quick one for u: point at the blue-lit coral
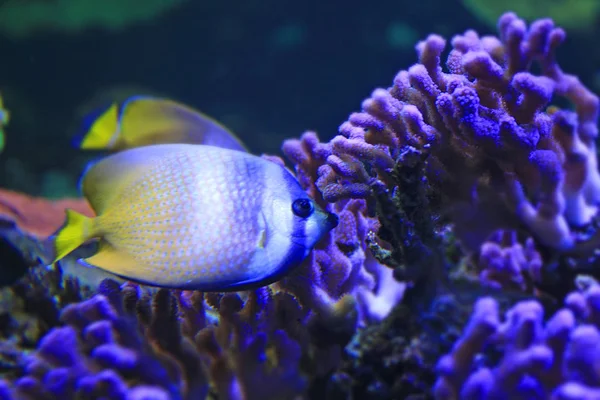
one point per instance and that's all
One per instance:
(31, 297)
(481, 149)
(341, 264)
(505, 262)
(93, 355)
(491, 142)
(188, 345)
(540, 359)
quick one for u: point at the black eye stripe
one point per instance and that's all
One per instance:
(303, 208)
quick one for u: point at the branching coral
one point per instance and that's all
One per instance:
(341, 264)
(503, 262)
(30, 307)
(481, 147)
(491, 142)
(122, 341)
(539, 359)
(93, 355)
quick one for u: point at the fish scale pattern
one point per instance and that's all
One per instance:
(191, 216)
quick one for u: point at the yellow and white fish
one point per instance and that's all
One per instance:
(146, 120)
(194, 217)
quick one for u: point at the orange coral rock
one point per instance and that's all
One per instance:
(38, 216)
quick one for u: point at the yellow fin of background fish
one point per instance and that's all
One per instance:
(145, 120)
(103, 130)
(74, 233)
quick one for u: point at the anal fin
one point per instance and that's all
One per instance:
(117, 262)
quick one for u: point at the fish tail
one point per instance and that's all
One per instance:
(100, 130)
(76, 231)
(96, 139)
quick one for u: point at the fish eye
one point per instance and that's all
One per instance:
(303, 208)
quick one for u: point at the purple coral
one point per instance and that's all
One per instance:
(504, 263)
(89, 358)
(341, 264)
(554, 359)
(493, 143)
(129, 344)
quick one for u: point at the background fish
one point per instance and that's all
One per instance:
(4, 118)
(195, 217)
(145, 120)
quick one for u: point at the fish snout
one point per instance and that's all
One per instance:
(332, 220)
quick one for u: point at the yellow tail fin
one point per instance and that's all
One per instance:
(102, 131)
(76, 231)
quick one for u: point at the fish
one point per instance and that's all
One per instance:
(4, 119)
(194, 217)
(147, 120)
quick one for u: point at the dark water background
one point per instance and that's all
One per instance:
(268, 69)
